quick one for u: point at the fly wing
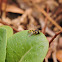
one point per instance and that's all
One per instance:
(30, 34)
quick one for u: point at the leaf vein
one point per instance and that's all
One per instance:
(25, 54)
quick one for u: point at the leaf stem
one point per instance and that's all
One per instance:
(54, 37)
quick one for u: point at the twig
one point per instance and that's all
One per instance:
(54, 55)
(54, 49)
(9, 25)
(44, 29)
(54, 37)
(50, 32)
(56, 11)
(58, 18)
(49, 18)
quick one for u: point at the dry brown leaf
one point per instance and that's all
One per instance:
(59, 55)
(13, 8)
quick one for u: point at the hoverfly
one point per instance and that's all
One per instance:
(35, 32)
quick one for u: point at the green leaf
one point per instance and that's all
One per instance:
(8, 29)
(22, 48)
(2, 44)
